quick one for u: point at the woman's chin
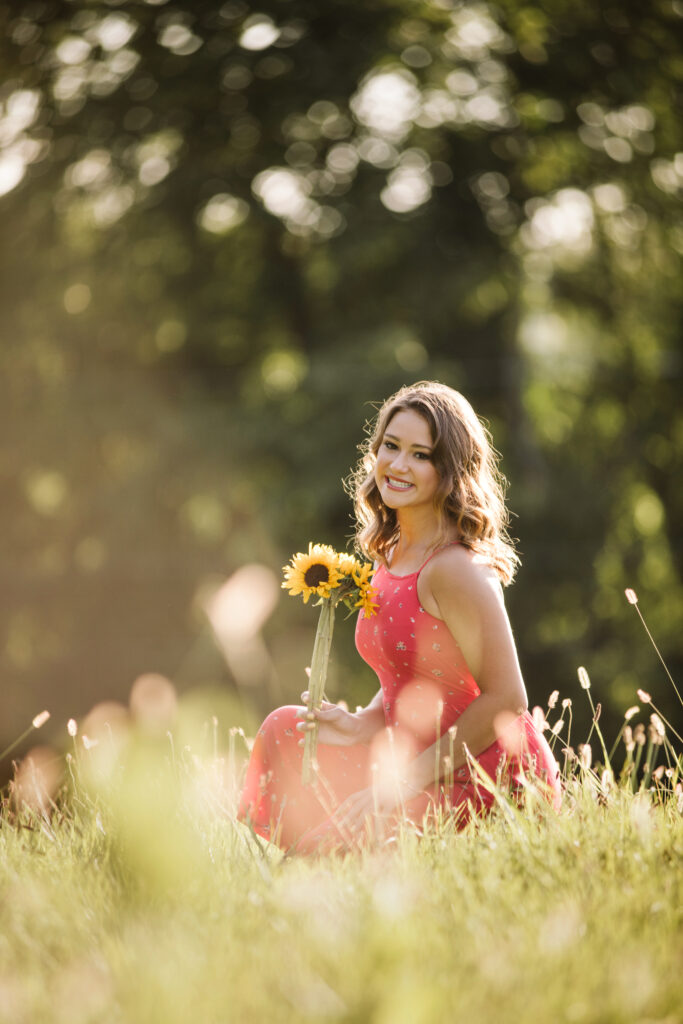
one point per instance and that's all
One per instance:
(394, 499)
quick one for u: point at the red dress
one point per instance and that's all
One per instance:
(426, 686)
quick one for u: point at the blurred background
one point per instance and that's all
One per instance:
(229, 230)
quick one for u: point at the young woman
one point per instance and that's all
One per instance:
(450, 718)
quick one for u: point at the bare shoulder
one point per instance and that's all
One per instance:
(458, 573)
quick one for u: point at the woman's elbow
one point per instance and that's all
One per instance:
(518, 701)
(522, 705)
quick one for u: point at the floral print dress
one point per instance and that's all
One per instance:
(426, 685)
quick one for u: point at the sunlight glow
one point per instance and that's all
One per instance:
(377, 152)
(391, 751)
(286, 194)
(20, 111)
(73, 50)
(342, 159)
(36, 780)
(387, 102)
(223, 213)
(77, 298)
(153, 702)
(259, 33)
(475, 33)
(114, 31)
(609, 197)
(410, 185)
(179, 39)
(283, 371)
(155, 156)
(12, 170)
(239, 609)
(69, 83)
(110, 205)
(91, 172)
(237, 612)
(565, 222)
(668, 174)
(46, 490)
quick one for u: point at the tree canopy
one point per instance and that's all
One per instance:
(228, 231)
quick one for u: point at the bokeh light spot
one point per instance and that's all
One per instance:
(170, 335)
(179, 39)
(239, 608)
(259, 33)
(223, 213)
(153, 702)
(283, 371)
(77, 298)
(114, 31)
(387, 103)
(46, 491)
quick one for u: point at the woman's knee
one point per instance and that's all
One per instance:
(281, 719)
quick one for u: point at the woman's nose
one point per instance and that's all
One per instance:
(399, 462)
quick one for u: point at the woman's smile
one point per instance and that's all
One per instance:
(398, 485)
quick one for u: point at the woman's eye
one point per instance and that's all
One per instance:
(390, 445)
(423, 456)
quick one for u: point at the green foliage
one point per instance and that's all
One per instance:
(226, 238)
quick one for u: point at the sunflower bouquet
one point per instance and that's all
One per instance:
(334, 578)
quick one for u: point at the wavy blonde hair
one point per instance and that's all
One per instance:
(471, 493)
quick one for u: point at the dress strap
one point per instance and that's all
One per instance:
(442, 548)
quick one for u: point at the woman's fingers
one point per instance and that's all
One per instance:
(325, 705)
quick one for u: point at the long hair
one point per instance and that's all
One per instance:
(470, 498)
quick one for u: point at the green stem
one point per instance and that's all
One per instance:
(595, 726)
(636, 765)
(649, 765)
(16, 742)
(437, 748)
(659, 654)
(613, 749)
(319, 663)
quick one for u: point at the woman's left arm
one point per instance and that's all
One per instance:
(470, 599)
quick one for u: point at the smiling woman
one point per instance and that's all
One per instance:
(450, 721)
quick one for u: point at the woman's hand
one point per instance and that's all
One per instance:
(336, 725)
(372, 809)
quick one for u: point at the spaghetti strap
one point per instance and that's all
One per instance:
(442, 548)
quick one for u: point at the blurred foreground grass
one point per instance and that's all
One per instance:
(136, 897)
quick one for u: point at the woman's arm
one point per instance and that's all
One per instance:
(469, 599)
(372, 716)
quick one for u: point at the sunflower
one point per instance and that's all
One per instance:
(314, 573)
(348, 565)
(362, 573)
(366, 593)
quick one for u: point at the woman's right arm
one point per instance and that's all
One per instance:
(339, 727)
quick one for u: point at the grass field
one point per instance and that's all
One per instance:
(135, 897)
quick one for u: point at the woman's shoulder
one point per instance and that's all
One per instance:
(459, 569)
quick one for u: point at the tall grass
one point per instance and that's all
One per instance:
(134, 896)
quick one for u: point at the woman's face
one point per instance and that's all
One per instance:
(404, 471)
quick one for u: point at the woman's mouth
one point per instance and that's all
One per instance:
(397, 485)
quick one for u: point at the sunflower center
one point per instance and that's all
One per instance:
(316, 574)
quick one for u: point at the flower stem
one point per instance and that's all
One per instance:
(16, 742)
(319, 663)
(659, 653)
